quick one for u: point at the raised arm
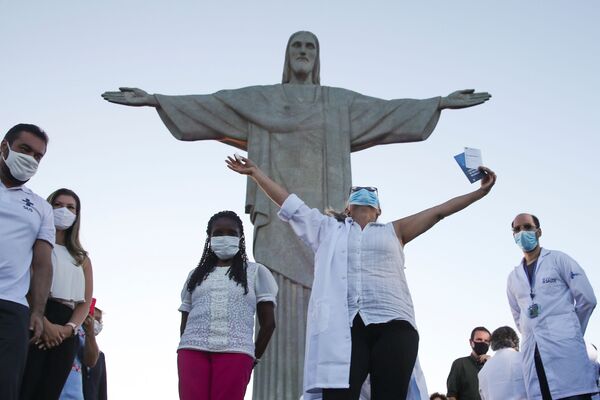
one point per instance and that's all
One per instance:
(412, 226)
(131, 97)
(244, 166)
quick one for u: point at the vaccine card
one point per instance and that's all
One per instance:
(472, 174)
(473, 158)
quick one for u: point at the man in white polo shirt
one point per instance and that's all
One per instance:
(26, 240)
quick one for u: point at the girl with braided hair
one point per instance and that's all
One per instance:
(219, 301)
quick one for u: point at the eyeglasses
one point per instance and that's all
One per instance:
(524, 227)
(357, 188)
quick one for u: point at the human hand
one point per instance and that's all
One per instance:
(36, 326)
(488, 181)
(463, 99)
(483, 358)
(53, 335)
(88, 325)
(130, 97)
(241, 165)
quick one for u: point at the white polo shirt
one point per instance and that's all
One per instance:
(24, 218)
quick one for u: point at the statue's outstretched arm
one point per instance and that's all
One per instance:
(131, 97)
(463, 99)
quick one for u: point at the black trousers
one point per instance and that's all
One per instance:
(386, 351)
(539, 368)
(47, 370)
(14, 321)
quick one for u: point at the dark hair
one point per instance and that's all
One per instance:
(436, 395)
(536, 221)
(208, 262)
(72, 242)
(504, 337)
(14, 132)
(479, 328)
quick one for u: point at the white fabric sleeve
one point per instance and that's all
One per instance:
(513, 303)
(306, 222)
(580, 287)
(186, 296)
(265, 286)
(47, 230)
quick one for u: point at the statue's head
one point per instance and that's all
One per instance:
(302, 57)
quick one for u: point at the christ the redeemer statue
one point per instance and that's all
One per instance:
(283, 126)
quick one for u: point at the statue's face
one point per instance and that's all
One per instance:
(303, 52)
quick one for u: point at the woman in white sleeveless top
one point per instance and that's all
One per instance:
(50, 359)
(360, 314)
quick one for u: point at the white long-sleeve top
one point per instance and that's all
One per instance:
(501, 378)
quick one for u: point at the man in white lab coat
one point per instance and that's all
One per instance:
(501, 378)
(551, 301)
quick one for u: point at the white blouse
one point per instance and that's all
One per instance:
(221, 316)
(68, 280)
(377, 287)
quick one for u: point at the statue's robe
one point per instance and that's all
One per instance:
(303, 143)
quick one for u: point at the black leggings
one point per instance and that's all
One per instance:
(386, 351)
(47, 370)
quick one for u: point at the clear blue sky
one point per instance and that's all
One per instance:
(147, 197)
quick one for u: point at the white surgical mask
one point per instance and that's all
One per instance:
(63, 218)
(225, 247)
(21, 166)
(97, 327)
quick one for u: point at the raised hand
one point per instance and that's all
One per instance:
(241, 165)
(489, 180)
(131, 97)
(463, 99)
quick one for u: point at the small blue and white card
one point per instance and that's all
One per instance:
(469, 162)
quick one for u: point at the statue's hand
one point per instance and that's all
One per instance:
(131, 97)
(463, 99)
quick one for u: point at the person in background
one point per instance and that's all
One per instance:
(462, 381)
(360, 315)
(50, 359)
(86, 358)
(552, 301)
(501, 378)
(437, 396)
(94, 376)
(219, 301)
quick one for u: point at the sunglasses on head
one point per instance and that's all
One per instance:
(357, 188)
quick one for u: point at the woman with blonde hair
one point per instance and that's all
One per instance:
(49, 360)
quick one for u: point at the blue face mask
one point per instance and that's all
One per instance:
(364, 197)
(526, 240)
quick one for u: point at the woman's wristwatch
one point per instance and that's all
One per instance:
(72, 325)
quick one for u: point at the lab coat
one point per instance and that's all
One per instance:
(328, 339)
(501, 378)
(566, 300)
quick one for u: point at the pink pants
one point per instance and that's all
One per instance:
(213, 376)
